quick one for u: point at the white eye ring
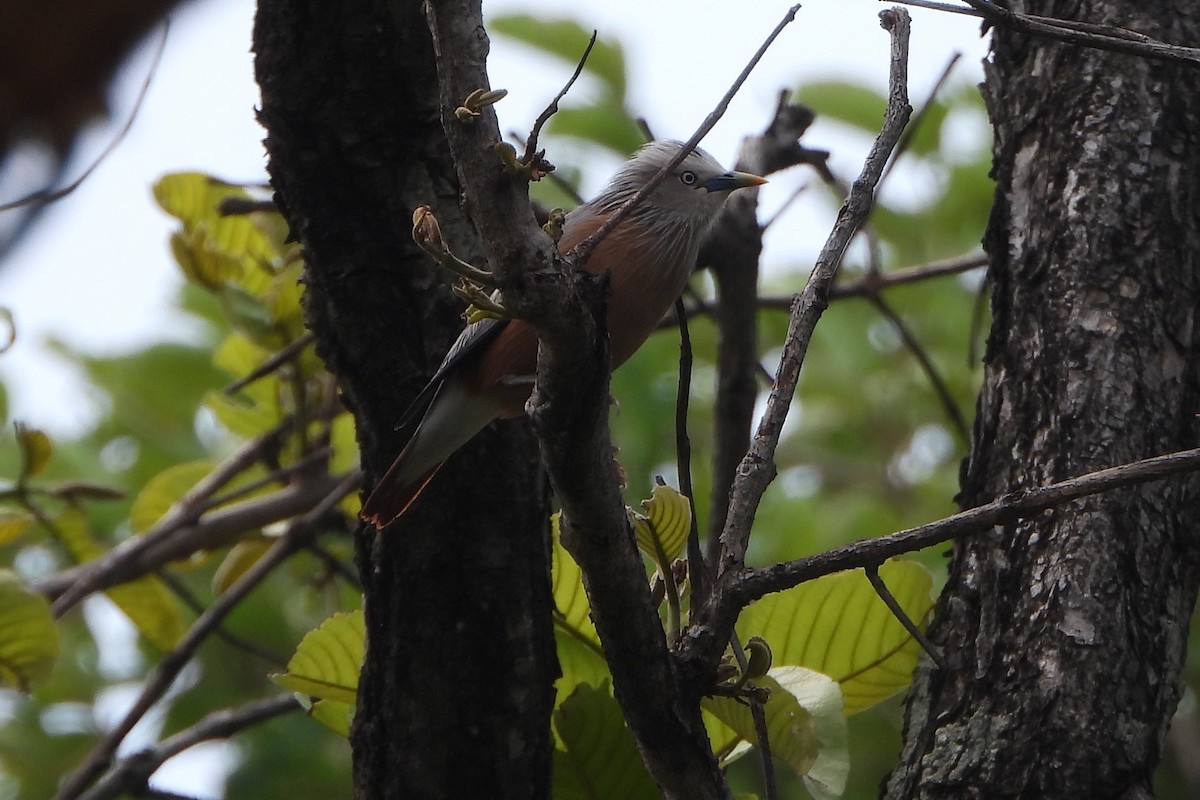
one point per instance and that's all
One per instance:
(687, 177)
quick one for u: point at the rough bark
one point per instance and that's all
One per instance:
(1065, 634)
(456, 690)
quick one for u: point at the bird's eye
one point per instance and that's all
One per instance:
(687, 177)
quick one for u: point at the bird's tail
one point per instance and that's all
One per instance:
(393, 495)
(453, 417)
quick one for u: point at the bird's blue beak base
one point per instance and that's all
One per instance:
(733, 180)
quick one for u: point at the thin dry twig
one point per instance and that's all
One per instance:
(273, 363)
(552, 108)
(697, 569)
(164, 674)
(180, 590)
(889, 599)
(949, 405)
(920, 116)
(580, 253)
(45, 196)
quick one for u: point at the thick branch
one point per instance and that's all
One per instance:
(173, 539)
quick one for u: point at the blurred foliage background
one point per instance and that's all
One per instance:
(870, 448)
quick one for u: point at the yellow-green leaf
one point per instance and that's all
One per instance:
(596, 756)
(333, 715)
(29, 643)
(36, 450)
(328, 659)
(14, 524)
(578, 645)
(241, 557)
(192, 197)
(667, 520)
(837, 625)
(163, 491)
(570, 600)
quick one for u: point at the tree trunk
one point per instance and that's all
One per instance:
(457, 686)
(1065, 634)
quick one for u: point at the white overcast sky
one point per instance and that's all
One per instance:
(97, 274)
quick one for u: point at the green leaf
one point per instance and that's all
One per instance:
(567, 40)
(327, 661)
(666, 524)
(596, 756)
(805, 724)
(163, 491)
(36, 450)
(837, 625)
(29, 642)
(14, 524)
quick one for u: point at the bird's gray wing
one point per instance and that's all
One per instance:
(473, 337)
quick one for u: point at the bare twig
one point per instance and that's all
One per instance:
(759, 718)
(920, 115)
(758, 467)
(752, 584)
(770, 788)
(866, 286)
(889, 599)
(334, 564)
(697, 568)
(44, 196)
(580, 253)
(181, 591)
(552, 109)
(708, 638)
(164, 674)
(949, 405)
(131, 775)
(273, 363)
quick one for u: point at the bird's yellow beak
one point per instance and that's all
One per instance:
(733, 180)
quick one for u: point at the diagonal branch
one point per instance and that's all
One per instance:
(164, 674)
(130, 775)
(702, 647)
(752, 584)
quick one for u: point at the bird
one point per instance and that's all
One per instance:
(649, 256)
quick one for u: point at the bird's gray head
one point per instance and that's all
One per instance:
(691, 195)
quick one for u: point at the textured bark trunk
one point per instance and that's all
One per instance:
(457, 687)
(1066, 633)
